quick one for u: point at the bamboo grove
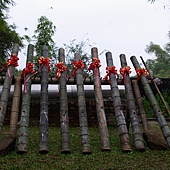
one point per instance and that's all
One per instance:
(123, 121)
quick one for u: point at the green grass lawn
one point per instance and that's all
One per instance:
(54, 160)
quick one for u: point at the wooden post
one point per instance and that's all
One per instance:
(6, 87)
(104, 135)
(25, 109)
(64, 121)
(85, 142)
(44, 105)
(136, 130)
(142, 112)
(154, 104)
(120, 119)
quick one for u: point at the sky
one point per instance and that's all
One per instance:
(119, 26)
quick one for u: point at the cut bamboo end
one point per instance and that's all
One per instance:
(43, 151)
(105, 149)
(66, 151)
(126, 148)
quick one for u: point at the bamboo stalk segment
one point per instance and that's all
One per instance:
(15, 106)
(6, 88)
(104, 135)
(44, 106)
(25, 108)
(154, 104)
(120, 119)
(136, 130)
(85, 141)
(142, 112)
(64, 121)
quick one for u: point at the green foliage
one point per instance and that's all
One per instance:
(148, 108)
(98, 160)
(160, 65)
(8, 34)
(4, 7)
(82, 47)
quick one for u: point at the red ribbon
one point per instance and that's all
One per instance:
(94, 64)
(12, 61)
(61, 69)
(77, 65)
(140, 72)
(109, 70)
(27, 70)
(44, 61)
(124, 71)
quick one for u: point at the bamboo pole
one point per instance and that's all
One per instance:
(44, 106)
(25, 109)
(85, 141)
(64, 121)
(142, 112)
(104, 135)
(154, 104)
(7, 143)
(15, 106)
(136, 130)
(164, 102)
(120, 119)
(6, 87)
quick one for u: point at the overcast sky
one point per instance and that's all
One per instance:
(119, 26)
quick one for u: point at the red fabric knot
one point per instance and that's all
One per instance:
(94, 64)
(44, 61)
(140, 72)
(125, 70)
(77, 65)
(28, 69)
(61, 69)
(12, 61)
(109, 70)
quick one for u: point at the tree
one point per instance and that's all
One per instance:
(82, 48)
(43, 36)
(160, 65)
(4, 7)
(8, 34)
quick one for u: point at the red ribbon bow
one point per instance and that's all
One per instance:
(94, 64)
(61, 69)
(77, 65)
(44, 61)
(109, 70)
(12, 61)
(140, 72)
(125, 70)
(28, 69)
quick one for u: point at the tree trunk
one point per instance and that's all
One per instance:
(120, 119)
(104, 135)
(85, 141)
(25, 109)
(136, 130)
(44, 105)
(64, 121)
(6, 88)
(154, 104)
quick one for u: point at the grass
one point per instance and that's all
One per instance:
(98, 160)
